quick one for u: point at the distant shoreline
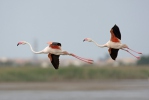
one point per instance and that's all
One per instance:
(76, 85)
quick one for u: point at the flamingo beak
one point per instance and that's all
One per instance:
(84, 40)
(19, 43)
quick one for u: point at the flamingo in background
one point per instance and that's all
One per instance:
(54, 51)
(114, 44)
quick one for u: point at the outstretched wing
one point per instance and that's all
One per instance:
(116, 31)
(113, 53)
(115, 34)
(54, 60)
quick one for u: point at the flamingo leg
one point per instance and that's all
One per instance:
(85, 60)
(131, 53)
(134, 51)
(82, 59)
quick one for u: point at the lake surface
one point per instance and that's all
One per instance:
(108, 90)
(141, 94)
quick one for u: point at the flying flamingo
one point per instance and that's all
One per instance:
(114, 44)
(54, 51)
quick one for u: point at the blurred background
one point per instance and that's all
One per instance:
(28, 76)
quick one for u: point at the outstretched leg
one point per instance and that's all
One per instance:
(131, 53)
(134, 51)
(83, 59)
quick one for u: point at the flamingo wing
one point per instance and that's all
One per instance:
(113, 53)
(115, 34)
(116, 31)
(54, 60)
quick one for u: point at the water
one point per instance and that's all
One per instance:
(136, 94)
(108, 90)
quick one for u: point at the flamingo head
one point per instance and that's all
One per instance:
(87, 39)
(21, 42)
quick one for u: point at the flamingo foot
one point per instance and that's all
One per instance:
(139, 53)
(134, 51)
(134, 55)
(138, 58)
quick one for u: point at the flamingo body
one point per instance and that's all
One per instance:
(114, 44)
(54, 51)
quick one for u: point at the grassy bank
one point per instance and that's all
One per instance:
(37, 74)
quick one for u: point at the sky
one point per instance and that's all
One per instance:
(69, 22)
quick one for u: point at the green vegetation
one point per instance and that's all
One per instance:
(143, 61)
(37, 74)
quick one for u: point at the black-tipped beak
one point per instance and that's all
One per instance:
(17, 44)
(83, 40)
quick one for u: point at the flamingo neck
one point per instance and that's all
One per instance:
(101, 46)
(39, 52)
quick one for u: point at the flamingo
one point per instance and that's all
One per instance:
(54, 51)
(114, 44)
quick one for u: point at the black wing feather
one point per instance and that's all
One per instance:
(55, 60)
(114, 53)
(116, 31)
(56, 43)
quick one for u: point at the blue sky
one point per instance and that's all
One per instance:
(69, 22)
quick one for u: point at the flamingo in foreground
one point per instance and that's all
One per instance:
(114, 44)
(54, 51)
